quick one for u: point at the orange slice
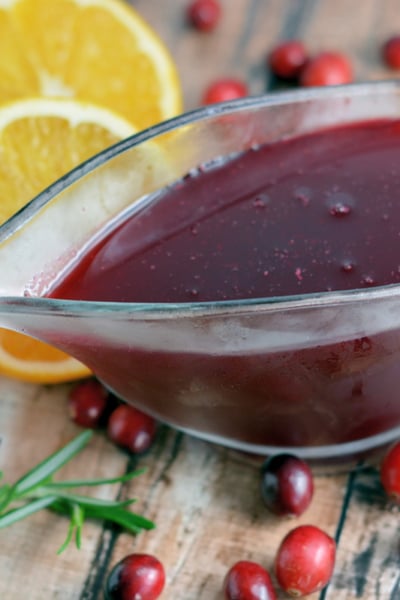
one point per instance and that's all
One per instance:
(28, 359)
(40, 140)
(100, 51)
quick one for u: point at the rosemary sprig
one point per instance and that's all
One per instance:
(36, 490)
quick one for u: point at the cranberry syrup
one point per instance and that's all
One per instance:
(312, 214)
(315, 213)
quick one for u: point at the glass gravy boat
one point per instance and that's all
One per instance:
(197, 366)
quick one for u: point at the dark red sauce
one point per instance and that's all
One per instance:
(312, 214)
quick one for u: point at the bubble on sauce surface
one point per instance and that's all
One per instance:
(193, 292)
(303, 195)
(368, 280)
(261, 201)
(299, 274)
(347, 266)
(340, 204)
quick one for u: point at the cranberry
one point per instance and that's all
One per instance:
(87, 403)
(287, 485)
(287, 59)
(204, 14)
(390, 472)
(131, 428)
(248, 580)
(391, 52)
(305, 560)
(327, 68)
(136, 577)
(223, 90)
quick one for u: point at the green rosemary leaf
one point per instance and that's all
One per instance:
(128, 520)
(45, 469)
(84, 500)
(16, 514)
(68, 538)
(73, 483)
(6, 493)
(79, 519)
(36, 490)
(75, 525)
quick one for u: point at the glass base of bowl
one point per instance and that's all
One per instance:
(338, 456)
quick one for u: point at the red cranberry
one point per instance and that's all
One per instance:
(248, 580)
(391, 52)
(223, 90)
(287, 485)
(287, 59)
(131, 428)
(327, 68)
(390, 472)
(305, 561)
(204, 14)
(87, 403)
(136, 577)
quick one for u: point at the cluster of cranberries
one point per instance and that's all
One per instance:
(289, 61)
(305, 559)
(91, 406)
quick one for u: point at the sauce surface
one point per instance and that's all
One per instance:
(315, 213)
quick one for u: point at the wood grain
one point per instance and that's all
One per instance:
(204, 499)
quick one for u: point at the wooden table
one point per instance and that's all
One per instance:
(204, 499)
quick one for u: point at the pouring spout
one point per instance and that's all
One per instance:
(46, 238)
(33, 344)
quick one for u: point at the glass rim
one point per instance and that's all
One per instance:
(91, 308)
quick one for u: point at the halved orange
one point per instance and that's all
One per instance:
(40, 140)
(28, 359)
(100, 51)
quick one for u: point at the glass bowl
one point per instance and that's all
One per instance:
(316, 374)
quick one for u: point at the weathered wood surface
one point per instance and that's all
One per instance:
(204, 499)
